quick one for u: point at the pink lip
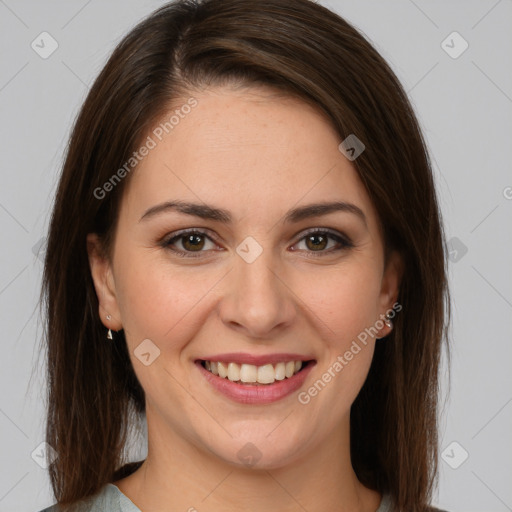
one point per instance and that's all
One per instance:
(244, 358)
(256, 394)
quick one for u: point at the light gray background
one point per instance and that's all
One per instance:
(464, 105)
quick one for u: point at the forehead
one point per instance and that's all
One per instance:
(251, 150)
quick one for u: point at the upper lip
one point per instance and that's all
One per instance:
(256, 360)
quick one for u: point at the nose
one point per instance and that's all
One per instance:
(258, 302)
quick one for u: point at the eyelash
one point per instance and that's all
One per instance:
(343, 240)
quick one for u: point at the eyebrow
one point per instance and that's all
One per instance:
(294, 215)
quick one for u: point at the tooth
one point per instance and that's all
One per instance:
(223, 371)
(280, 371)
(290, 368)
(233, 372)
(248, 373)
(266, 374)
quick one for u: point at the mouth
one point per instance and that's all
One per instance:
(255, 379)
(252, 375)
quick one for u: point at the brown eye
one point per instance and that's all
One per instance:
(192, 242)
(317, 241)
(188, 242)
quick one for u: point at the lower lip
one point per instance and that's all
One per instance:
(258, 394)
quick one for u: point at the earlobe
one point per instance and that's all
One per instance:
(101, 273)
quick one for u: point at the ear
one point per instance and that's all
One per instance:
(391, 279)
(390, 285)
(102, 276)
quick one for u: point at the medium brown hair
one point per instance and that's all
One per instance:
(302, 49)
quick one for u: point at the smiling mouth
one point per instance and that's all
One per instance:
(255, 375)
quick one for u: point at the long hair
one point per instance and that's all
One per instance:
(302, 49)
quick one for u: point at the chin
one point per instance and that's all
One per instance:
(258, 452)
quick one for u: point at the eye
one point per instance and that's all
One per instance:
(194, 241)
(191, 241)
(317, 240)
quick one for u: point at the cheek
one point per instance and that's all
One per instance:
(346, 309)
(161, 302)
(344, 299)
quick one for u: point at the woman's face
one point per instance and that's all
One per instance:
(254, 288)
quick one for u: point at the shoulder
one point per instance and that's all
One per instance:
(107, 498)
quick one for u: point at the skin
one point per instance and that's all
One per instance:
(257, 155)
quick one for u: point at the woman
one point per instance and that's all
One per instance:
(246, 252)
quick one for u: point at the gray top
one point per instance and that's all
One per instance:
(108, 499)
(111, 499)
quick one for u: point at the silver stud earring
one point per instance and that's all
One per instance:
(388, 321)
(109, 333)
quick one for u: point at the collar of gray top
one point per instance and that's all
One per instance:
(126, 505)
